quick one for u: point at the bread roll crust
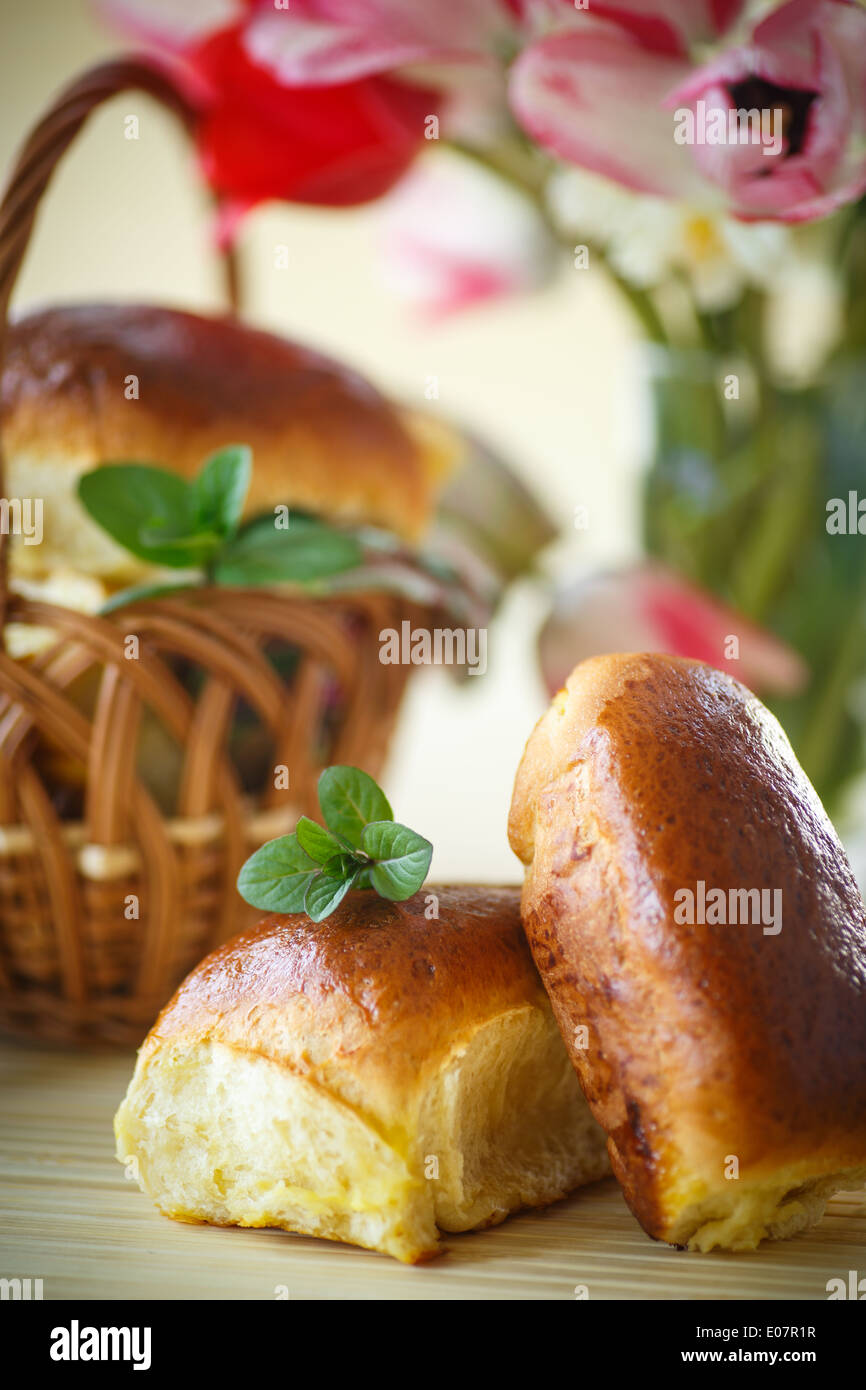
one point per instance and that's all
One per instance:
(368, 1002)
(388, 1073)
(706, 1042)
(323, 438)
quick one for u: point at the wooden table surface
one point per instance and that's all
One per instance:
(69, 1217)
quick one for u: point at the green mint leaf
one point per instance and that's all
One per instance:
(198, 546)
(329, 888)
(308, 550)
(277, 876)
(402, 859)
(220, 490)
(129, 500)
(350, 800)
(318, 842)
(312, 870)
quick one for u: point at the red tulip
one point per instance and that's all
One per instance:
(336, 145)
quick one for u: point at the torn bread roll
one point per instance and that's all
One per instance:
(703, 942)
(374, 1079)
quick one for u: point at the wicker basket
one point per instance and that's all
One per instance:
(101, 915)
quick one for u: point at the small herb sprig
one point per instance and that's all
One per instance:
(196, 525)
(363, 846)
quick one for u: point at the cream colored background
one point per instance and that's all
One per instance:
(551, 379)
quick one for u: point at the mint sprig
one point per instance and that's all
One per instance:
(363, 846)
(196, 525)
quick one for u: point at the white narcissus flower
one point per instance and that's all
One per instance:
(455, 234)
(647, 239)
(809, 293)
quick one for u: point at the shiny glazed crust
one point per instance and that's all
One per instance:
(323, 439)
(367, 1002)
(709, 1049)
(378, 1078)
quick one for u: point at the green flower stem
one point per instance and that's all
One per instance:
(638, 300)
(515, 162)
(528, 174)
(765, 555)
(819, 741)
(851, 263)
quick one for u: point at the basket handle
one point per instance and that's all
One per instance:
(41, 153)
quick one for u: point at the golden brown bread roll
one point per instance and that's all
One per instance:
(368, 1079)
(727, 1063)
(323, 439)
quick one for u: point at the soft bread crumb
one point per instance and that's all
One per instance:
(236, 1140)
(749, 1213)
(232, 1138)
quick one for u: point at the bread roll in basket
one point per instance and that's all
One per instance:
(135, 779)
(86, 384)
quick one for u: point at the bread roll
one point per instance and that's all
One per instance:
(323, 439)
(370, 1079)
(727, 1063)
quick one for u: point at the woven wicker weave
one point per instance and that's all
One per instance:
(102, 914)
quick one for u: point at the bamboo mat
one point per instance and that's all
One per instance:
(69, 1217)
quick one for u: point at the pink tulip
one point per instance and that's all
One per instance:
(454, 235)
(807, 61)
(596, 97)
(324, 41)
(608, 98)
(649, 608)
(660, 25)
(318, 42)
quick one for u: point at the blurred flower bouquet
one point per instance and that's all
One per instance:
(710, 155)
